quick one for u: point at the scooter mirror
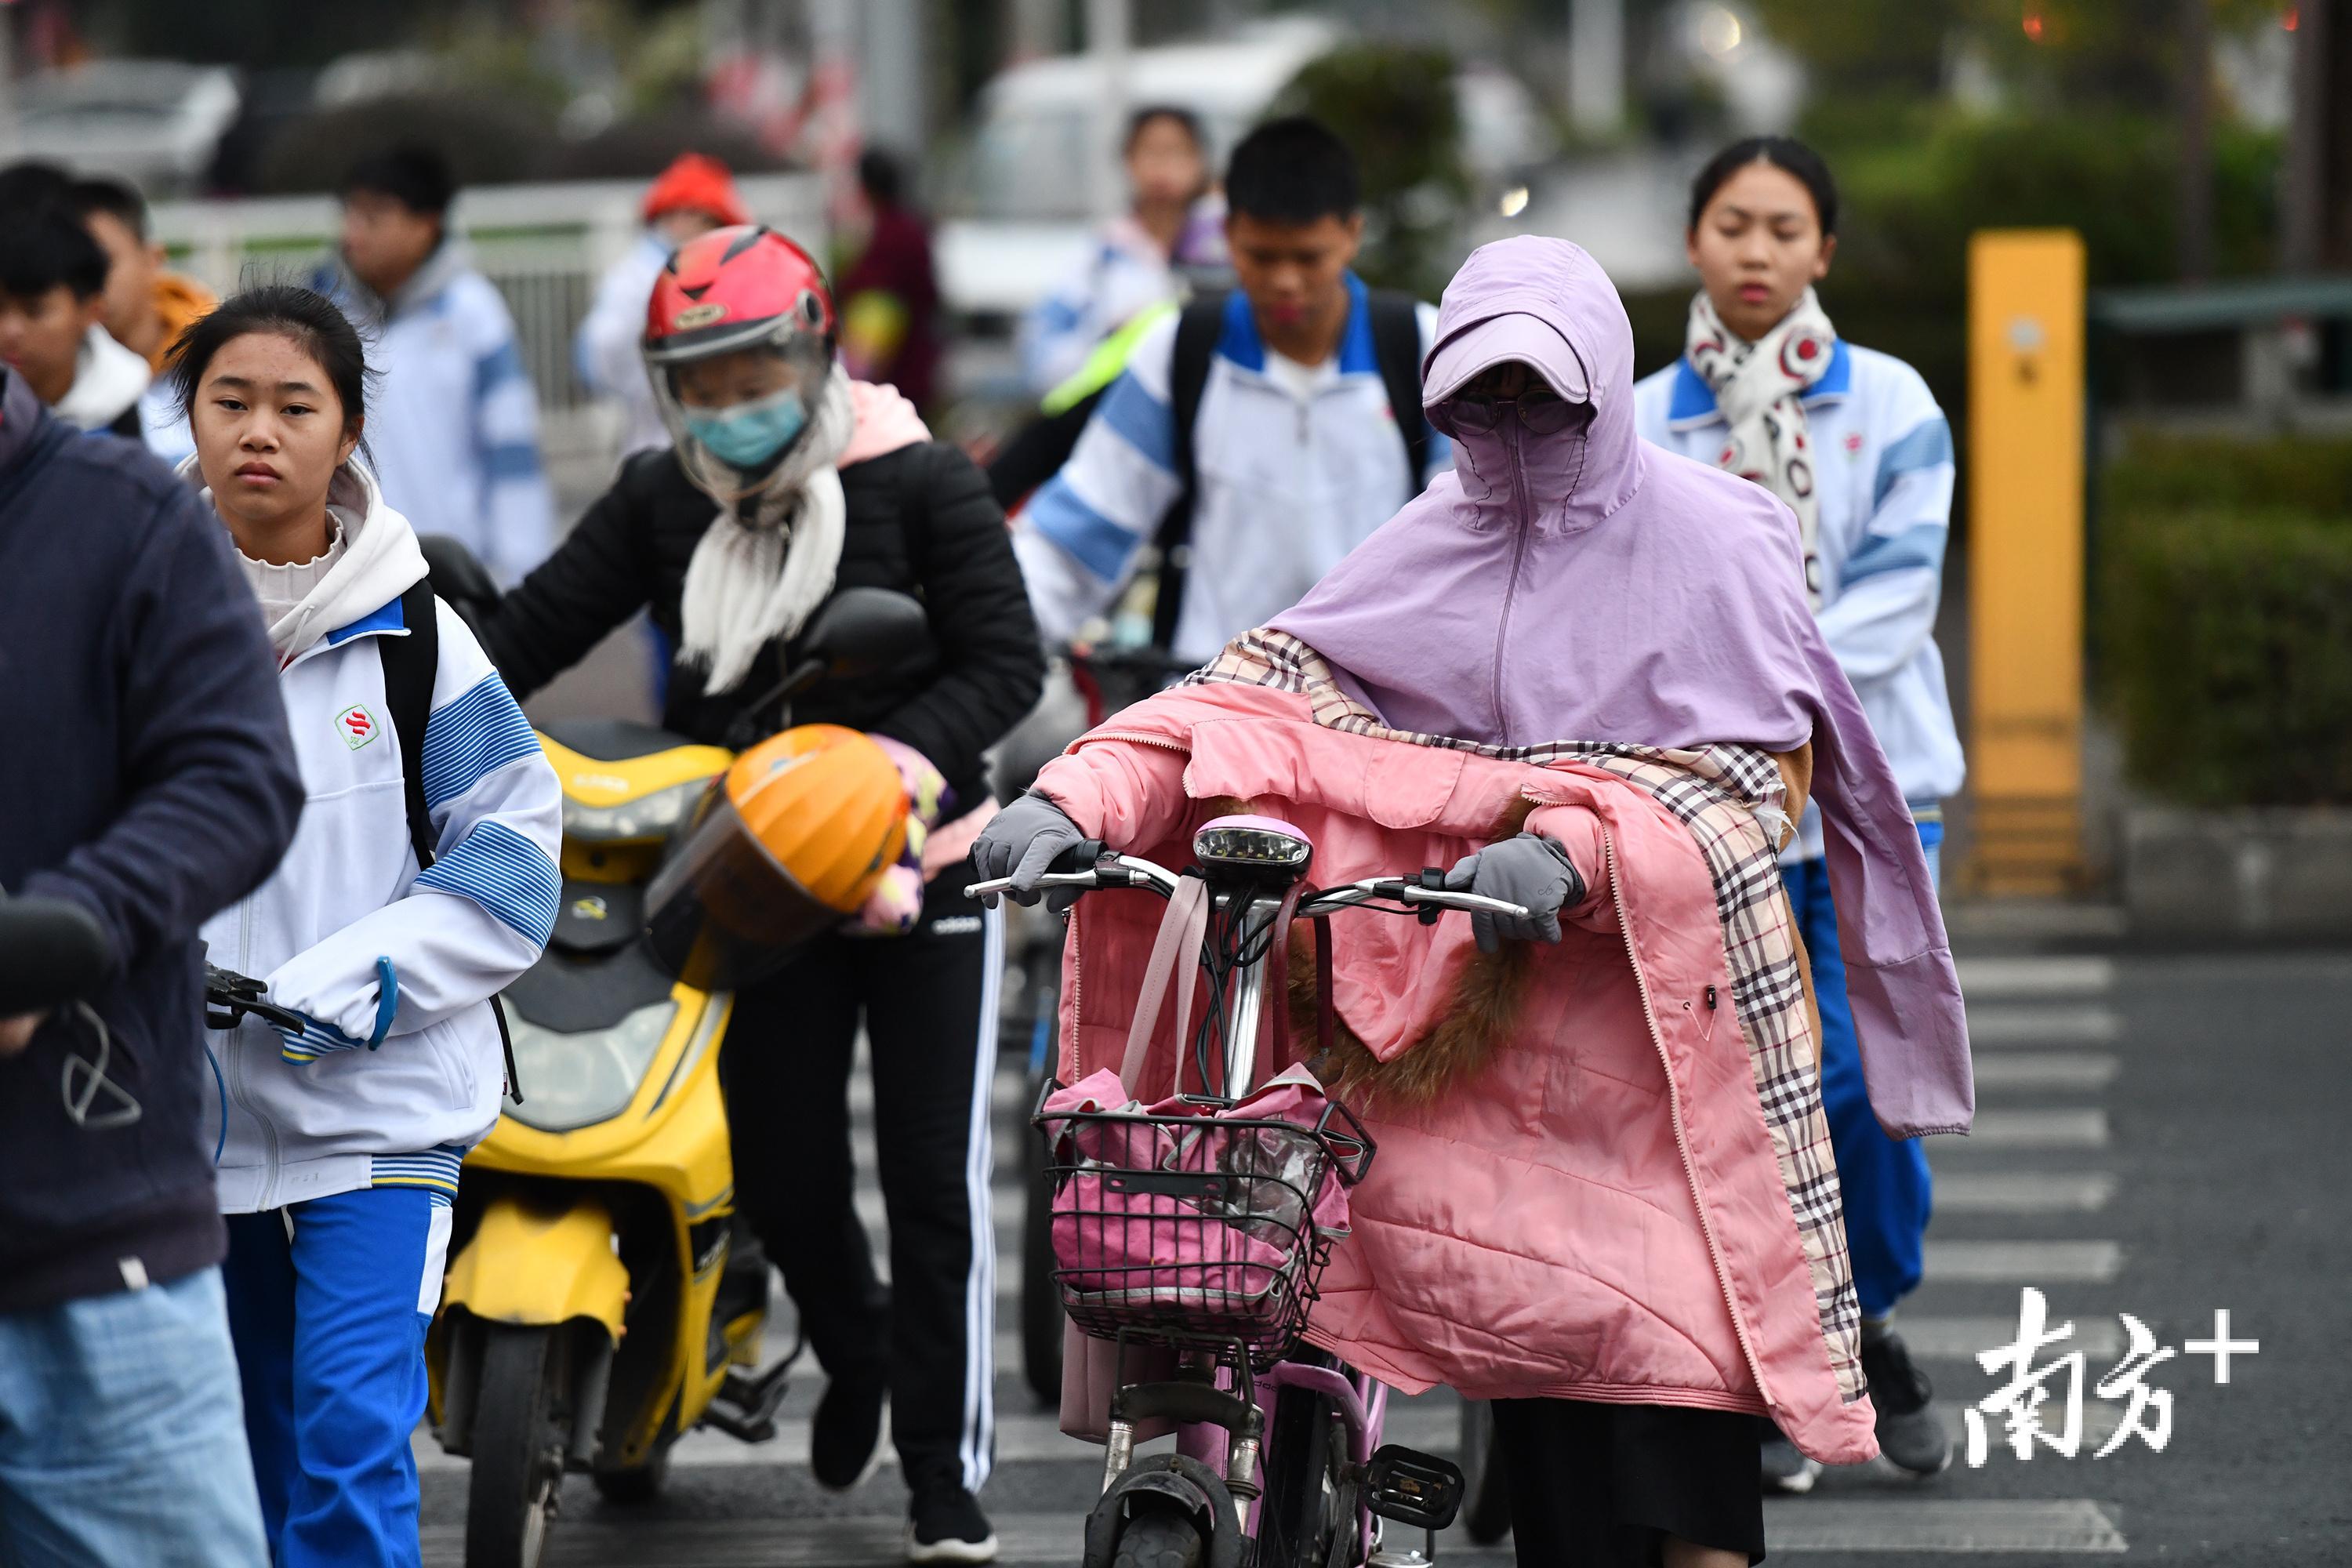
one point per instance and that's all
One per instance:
(860, 631)
(869, 631)
(51, 952)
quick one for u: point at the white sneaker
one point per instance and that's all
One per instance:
(1785, 1469)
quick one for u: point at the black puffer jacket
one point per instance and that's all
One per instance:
(920, 520)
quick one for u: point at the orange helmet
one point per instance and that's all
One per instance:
(791, 842)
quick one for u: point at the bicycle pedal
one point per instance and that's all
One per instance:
(1413, 1488)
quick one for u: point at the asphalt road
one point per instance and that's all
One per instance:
(2159, 1136)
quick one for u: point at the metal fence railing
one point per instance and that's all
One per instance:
(544, 245)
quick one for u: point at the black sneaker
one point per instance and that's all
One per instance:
(1910, 1434)
(845, 1437)
(944, 1524)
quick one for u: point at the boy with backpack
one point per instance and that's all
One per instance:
(1255, 437)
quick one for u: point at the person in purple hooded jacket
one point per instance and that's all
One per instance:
(1569, 588)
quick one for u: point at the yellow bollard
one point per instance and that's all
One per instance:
(2025, 561)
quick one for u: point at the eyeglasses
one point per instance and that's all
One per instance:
(1540, 412)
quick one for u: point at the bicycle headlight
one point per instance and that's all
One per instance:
(649, 817)
(577, 1080)
(1258, 845)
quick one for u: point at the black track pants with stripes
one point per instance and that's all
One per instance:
(928, 1001)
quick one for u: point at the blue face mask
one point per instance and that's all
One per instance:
(749, 435)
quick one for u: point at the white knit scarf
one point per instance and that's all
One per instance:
(1760, 387)
(759, 577)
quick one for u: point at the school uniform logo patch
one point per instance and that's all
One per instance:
(356, 725)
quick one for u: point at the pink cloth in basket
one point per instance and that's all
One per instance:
(1102, 1234)
(1147, 1247)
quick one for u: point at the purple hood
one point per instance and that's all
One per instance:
(1588, 586)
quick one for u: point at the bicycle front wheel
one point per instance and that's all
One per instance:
(1159, 1540)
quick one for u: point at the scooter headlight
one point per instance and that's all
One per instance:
(578, 1081)
(648, 816)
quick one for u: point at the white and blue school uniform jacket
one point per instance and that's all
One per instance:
(1883, 458)
(348, 933)
(453, 423)
(1125, 274)
(607, 348)
(1285, 484)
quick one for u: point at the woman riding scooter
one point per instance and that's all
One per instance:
(787, 481)
(343, 1137)
(1581, 672)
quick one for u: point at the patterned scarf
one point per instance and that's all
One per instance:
(1760, 387)
(763, 566)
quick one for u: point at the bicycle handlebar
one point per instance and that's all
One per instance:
(1114, 870)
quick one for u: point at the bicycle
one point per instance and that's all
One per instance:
(1191, 1237)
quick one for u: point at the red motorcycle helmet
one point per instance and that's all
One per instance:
(743, 292)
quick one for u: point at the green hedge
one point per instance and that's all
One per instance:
(2163, 472)
(2227, 639)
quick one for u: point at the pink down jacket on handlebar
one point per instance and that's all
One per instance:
(1627, 1191)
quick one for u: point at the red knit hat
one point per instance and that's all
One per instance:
(696, 182)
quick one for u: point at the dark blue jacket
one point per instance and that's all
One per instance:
(145, 773)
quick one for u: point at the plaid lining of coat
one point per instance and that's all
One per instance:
(1717, 793)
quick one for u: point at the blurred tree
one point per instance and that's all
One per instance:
(642, 145)
(1868, 46)
(487, 142)
(2070, 52)
(1394, 104)
(261, 32)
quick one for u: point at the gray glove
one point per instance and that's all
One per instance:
(1530, 870)
(1021, 842)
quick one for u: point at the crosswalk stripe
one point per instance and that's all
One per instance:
(2067, 1526)
(2054, 1071)
(1985, 978)
(1009, 1095)
(1009, 1199)
(2023, 1262)
(1022, 1437)
(1430, 1425)
(1960, 1339)
(2032, 1130)
(1939, 1525)
(2022, 1192)
(2040, 1025)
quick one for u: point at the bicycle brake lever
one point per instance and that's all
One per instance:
(1434, 879)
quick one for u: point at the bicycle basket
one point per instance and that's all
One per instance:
(1190, 1228)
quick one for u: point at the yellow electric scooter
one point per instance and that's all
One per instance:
(600, 1300)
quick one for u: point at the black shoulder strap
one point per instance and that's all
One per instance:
(1197, 331)
(1396, 345)
(409, 664)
